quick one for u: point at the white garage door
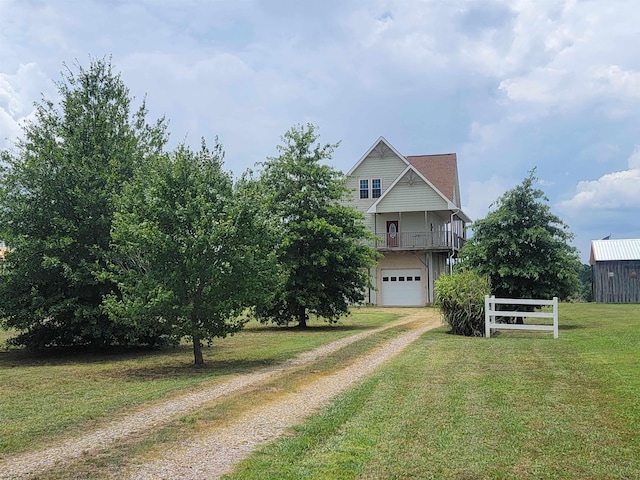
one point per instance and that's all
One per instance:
(402, 287)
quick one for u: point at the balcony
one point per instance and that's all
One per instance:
(439, 241)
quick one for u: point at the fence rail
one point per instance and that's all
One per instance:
(490, 314)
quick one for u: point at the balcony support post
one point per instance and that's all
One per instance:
(375, 228)
(428, 241)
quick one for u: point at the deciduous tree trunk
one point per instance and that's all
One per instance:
(197, 351)
(197, 344)
(302, 318)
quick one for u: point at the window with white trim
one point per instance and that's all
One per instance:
(376, 188)
(374, 192)
(364, 188)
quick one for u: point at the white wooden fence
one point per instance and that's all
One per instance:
(490, 314)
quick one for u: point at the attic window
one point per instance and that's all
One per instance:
(376, 188)
(364, 188)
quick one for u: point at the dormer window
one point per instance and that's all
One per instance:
(374, 192)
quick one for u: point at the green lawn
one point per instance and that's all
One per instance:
(44, 396)
(520, 405)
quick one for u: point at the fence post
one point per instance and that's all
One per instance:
(487, 332)
(555, 317)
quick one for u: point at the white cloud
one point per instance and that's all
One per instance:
(602, 152)
(565, 87)
(614, 80)
(634, 159)
(546, 183)
(226, 94)
(616, 190)
(18, 91)
(507, 84)
(483, 195)
(566, 55)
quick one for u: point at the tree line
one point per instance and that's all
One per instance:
(115, 240)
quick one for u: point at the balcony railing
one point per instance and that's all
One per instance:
(418, 241)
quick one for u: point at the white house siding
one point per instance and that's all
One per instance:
(381, 221)
(369, 222)
(387, 169)
(408, 221)
(412, 222)
(410, 197)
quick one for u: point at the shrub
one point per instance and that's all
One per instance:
(460, 299)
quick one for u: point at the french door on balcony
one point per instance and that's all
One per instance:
(392, 233)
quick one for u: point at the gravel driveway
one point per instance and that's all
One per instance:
(214, 454)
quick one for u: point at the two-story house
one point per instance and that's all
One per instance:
(413, 206)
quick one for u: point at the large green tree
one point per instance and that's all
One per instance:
(56, 206)
(191, 251)
(322, 254)
(523, 247)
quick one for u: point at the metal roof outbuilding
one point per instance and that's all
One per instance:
(614, 250)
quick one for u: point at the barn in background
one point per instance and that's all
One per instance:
(616, 270)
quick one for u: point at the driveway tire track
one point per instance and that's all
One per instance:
(160, 413)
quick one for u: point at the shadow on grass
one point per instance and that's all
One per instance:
(174, 359)
(176, 362)
(571, 327)
(209, 369)
(310, 328)
(83, 355)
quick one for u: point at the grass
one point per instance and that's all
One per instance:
(45, 396)
(110, 461)
(521, 405)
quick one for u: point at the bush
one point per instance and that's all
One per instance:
(460, 299)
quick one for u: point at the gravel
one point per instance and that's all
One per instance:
(215, 454)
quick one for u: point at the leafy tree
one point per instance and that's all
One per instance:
(523, 248)
(322, 257)
(191, 252)
(56, 206)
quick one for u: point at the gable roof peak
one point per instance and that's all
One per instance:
(379, 148)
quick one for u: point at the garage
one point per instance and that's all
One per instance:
(402, 287)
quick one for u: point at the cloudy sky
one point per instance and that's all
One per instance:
(508, 85)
